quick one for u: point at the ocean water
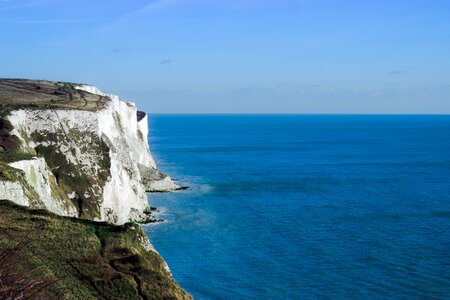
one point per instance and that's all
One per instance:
(305, 207)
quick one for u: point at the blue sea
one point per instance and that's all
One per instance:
(305, 206)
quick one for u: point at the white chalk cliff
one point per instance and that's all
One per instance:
(88, 163)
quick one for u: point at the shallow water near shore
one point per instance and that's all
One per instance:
(305, 207)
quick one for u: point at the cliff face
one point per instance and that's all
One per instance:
(75, 151)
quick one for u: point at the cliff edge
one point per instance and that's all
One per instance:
(75, 151)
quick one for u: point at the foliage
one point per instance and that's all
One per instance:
(85, 259)
(4, 111)
(17, 283)
(65, 86)
(12, 156)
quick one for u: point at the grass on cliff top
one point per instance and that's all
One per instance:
(84, 259)
(41, 94)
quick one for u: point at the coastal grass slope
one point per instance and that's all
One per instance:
(82, 259)
(41, 94)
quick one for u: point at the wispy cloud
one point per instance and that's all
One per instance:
(156, 6)
(14, 7)
(8, 5)
(160, 5)
(130, 16)
(402, 71)
(49, 21)
(397, 72)
(165, 62)
(150, 7)
(120, 49)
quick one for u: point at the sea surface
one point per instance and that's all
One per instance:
(305, 206)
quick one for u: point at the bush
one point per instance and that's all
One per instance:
(14, 283)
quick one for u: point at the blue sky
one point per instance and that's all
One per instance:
(247, 56)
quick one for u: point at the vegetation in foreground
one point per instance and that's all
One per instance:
(67, 258)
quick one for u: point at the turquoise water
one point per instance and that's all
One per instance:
(306, 207)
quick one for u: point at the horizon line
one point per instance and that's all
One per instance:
(304, 114)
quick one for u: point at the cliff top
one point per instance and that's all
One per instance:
(27, 93)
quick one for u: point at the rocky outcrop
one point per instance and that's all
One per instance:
(156, 181)
(88, 160)
(42, 181)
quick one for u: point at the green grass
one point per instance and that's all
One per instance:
(4, 111)
(12, 156)
(64, 86)
(41, 94)
(89, 260)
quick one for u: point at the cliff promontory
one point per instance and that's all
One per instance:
(75, 151)
(75, 169)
